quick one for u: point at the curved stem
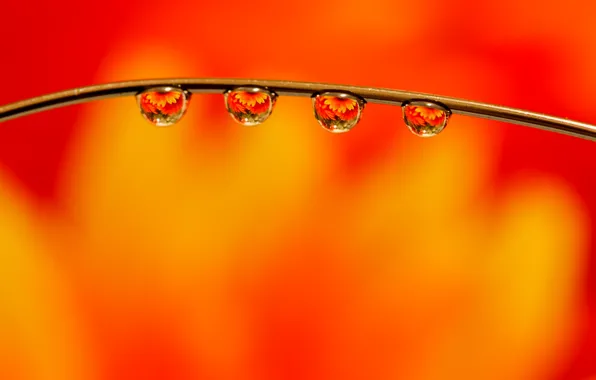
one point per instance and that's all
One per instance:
(305, 89)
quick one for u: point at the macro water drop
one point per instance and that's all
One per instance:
(249, 106)
(425, 118)
(337, 112)
(163, 106)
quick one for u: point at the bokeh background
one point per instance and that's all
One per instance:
(214, 251)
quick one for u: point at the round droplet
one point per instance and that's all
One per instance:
(425, 119)
(337, 112)
(249, 106)
(163, 106)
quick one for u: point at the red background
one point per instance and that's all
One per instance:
(209, 250)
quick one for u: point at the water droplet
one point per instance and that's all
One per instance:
(337, 112)
(249, 106)
(424, 118)
(163, 106)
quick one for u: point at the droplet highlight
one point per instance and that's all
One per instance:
(250, 106)
(163, 106)
(337, 112)
(424, 118)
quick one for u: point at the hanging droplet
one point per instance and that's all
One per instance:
(424, 118)
(337, 112)
(249, 106)
(163, 106)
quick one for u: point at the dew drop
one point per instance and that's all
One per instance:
(163, 106)
(249, 106)
(337, 112)
(424, 118)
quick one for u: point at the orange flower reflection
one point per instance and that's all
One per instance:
(243, 102)
(166, 103)
(336, 108)
(419, 115)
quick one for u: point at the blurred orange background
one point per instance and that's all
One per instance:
(214, 251)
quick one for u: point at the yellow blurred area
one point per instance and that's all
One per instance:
(40, 335)
(415, 264)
